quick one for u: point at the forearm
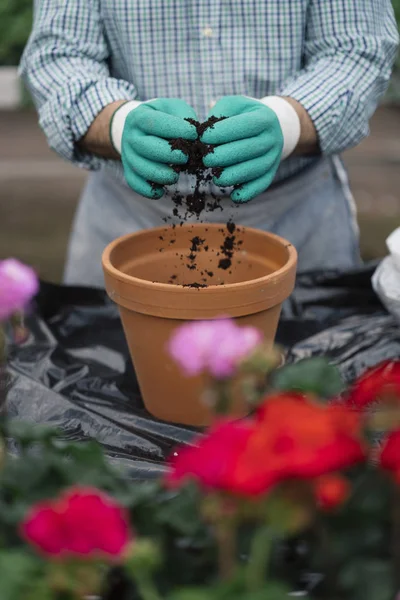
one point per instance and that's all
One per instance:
(97, 139)
(308, 142)
(299, 133)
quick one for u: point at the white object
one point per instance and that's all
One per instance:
(386, 279)
(393, 244)
(118, 122)
(288, 120)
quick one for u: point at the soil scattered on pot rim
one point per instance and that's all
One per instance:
(195, 285)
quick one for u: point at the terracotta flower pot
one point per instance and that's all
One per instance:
(139, 269)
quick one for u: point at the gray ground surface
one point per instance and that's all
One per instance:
(38, 191)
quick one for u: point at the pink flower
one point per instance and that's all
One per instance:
(18, 285)
(214, 346)
(81, 522)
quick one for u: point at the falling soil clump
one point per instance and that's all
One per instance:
(231, 227)
(195, 150)
(228, 247)
(230, 244)
(217, 171)
(156, 187)
(194, 204)
(196, 243)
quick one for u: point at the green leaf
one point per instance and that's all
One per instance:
(181, 511)
(373, 580)
(27, 433)
(38, 589)
(145, 557)
(312, 375)
(229, 590)
(272, 591)
(17, 569)
(192, 594)
(48, 468)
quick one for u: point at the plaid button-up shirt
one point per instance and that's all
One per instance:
(333, 56)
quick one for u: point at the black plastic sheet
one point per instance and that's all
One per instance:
(74, 370)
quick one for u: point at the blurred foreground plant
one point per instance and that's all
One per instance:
(299, 476)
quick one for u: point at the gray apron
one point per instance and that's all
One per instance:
(313, 210)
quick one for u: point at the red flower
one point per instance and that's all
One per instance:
(291, 438)
(81, 522)
(212, 460)
(331, 491)
(390, 454)
(306, 439)
(384, 379)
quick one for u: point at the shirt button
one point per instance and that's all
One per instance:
(207, 31)
(212, 104)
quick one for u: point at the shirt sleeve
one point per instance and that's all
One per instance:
(65, 67)
(349, 51)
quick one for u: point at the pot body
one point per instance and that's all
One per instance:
(149, 274)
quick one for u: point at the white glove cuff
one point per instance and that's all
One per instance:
(288, 120)
(118, 122)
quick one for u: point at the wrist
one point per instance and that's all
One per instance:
(289, 122)
(117, 123)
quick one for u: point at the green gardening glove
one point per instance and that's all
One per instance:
(140, 132)
(249, 144)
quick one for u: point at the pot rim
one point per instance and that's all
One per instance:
(180, 289)
(172, 301)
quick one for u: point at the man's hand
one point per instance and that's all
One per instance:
(145, 150)
(248, 145)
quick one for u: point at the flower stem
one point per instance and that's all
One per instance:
(146, 588)
(3, 344)
(396, 535)
(259, 558)
(224, 400)
(226, 539)
(3, 366)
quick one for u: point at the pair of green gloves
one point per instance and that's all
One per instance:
(248, 145)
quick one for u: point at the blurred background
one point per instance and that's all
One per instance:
(39, 191)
